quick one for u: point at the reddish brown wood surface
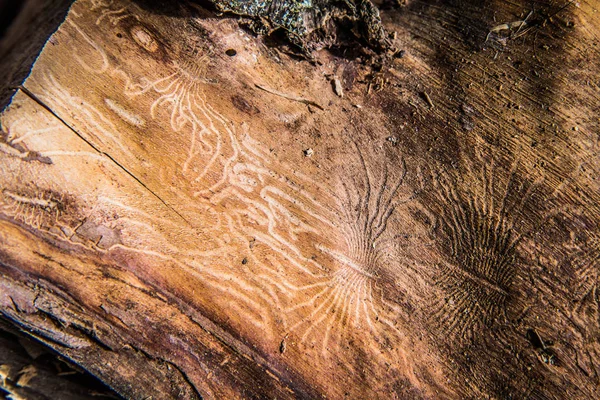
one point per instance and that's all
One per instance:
(182, 222)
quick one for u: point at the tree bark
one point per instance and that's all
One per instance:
(188, 212)
(25, 26)
(30, 371)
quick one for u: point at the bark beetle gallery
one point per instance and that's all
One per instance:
(399, 203)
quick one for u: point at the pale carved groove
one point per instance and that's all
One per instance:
(243, 190)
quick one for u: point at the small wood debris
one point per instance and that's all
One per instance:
(26, 374)
(428, 99)
(506, 27)
(290, 97)
(337, 87)
(509, 26)
(393, 140)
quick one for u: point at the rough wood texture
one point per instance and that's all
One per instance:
(185, 222)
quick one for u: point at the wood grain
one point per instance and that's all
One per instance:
(181, 233)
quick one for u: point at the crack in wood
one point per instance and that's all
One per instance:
(102, 153)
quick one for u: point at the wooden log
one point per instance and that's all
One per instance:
(186, 212)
